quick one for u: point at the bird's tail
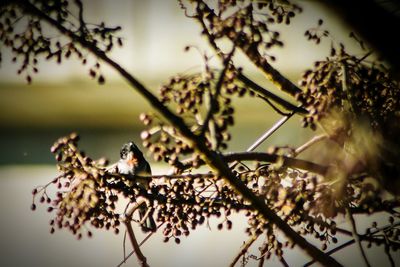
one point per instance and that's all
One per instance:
(149, 225)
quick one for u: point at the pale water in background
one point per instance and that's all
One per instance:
(26, 240)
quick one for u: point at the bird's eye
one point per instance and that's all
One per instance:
(123, 152)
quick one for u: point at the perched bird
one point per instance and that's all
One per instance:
(132, 163)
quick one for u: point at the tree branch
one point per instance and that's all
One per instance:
(214, 159)
(309, 143)
(286, 161)
(141, 258)
(214, 98)
(352, 241)
(140, 244)
(280, 81)
(262, 92)
(267, 94)
(244, 249)
(356, 236)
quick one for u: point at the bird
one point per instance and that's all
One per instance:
(131, 164)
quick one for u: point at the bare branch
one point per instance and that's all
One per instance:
(259, 61)
(268, 133)
(268, 95)
(309, 143)
(141, 243)
(214, 98)
(141, 258)
(286, 161)
(283, 261)
(244, 249)
(214, 159)
(262, 92)
(356, 237)
(352, 241)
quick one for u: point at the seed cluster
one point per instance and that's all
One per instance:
(343, 84)
(248, 22)
(338, 91)
(357, 102)
(82, 193)
(87, 193)
(309, 203)
(205, 103)
(24, 36)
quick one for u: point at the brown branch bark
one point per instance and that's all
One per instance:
(244, 249)
(356, 236)
(214, 159)
(280, 81)
(286, 161)
(267, 94)
(352, 241)
(262, 92)
(141, 258)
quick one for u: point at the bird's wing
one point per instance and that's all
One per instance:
(147, 168)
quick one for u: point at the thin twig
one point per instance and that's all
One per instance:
(259, 61)
(309, 143)
(268, 95)
(264, 137)
(214, 159)
(82, 26)
(356, 237)
(214, 98)
(146, 215)
(141, 258)
(352, 241)
(286, 161)
(124, 246)
(268, 133)
(140, 244)
(263, 251)
(391, 260)
(244, 249)
(283, 261)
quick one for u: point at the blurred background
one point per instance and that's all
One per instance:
(63, 98)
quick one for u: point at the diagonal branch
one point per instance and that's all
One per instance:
(286, 161)
(280, 81)
(214, 98)
(356, 237)
(244, 249)
(268, 95)
(214, 159)
(352, 241)
(140, 244)
(141, 258)
(262, 92)
(309, 143)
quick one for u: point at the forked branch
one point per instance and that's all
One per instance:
(214, 159)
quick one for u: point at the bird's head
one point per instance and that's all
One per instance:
(131, 153)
